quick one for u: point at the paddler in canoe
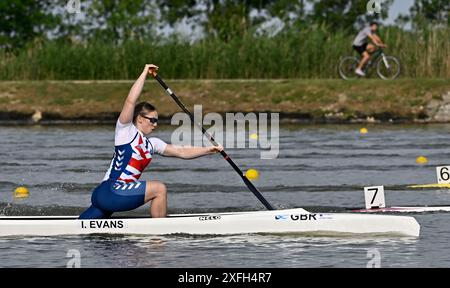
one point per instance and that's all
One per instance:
(121, 189)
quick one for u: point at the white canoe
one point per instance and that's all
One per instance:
(405, 209)
(273, 222)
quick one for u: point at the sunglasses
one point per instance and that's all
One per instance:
(152, 119)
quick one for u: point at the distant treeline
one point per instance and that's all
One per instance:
(310, 53)
(112, 39)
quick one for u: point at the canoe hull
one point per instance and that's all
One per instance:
(273, 222)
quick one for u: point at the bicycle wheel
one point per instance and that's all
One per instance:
(388, 67)
(347, 67)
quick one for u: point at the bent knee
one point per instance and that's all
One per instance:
(158, 188)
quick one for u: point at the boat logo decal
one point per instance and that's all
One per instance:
(325, 216)
(211, 217)
(281, 217)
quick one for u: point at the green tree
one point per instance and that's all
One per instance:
(345, 14)
(428, 12)
(23, 20)
(119, 20)
(289, 12)
(223, 19)
(227, 19)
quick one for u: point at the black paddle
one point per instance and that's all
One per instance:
(247, 182)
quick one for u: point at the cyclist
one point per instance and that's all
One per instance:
(364, 48)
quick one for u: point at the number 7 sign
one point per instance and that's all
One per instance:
(374, 197)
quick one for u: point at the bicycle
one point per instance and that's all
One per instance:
(387, 67)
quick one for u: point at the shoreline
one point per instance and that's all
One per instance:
(165, 120)
(303, 101)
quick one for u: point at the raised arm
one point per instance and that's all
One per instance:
(190, 152)
(126, 116)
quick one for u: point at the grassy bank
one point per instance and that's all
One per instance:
(311, 100)
(309, 53)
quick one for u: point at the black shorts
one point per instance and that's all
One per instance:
(361, 49)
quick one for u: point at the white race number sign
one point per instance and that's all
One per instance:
(374, 197)
(443, 174)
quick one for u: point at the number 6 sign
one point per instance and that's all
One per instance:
(443, 174)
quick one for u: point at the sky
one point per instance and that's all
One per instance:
(398, 7)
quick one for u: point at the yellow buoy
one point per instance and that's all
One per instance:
(252, 174)
(421, 160)
(21, 192)
(254, 136)
(363, 130)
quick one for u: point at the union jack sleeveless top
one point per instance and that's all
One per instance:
(133, 152)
